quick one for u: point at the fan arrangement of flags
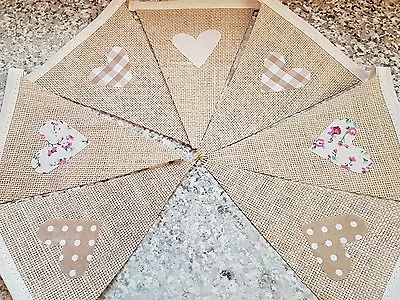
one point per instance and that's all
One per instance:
(305, 142)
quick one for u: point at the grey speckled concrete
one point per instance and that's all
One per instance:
(203, 246)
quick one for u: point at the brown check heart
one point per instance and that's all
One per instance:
(116, 73)
(278, 77)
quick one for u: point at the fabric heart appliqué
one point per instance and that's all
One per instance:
(327, 239)
(197, 51)
(77, 239)
(64, 142)
(278, 77)
(116, 73)
(335, 144)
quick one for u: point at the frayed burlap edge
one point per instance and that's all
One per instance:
(10, 99)
(8, 270)
(10, 274)
(393, 104)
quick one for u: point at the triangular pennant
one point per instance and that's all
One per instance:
(110, 66)
(38, 237)
(286, 67)
(286, 150)
(200, 45)
(290, 214)
(29, 166)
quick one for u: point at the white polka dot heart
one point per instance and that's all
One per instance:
(77, 239)
(327, 239)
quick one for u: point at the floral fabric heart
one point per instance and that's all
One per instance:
(197, 50)
(278, 77)
(116, 73)
(64, 142)
(335, 144)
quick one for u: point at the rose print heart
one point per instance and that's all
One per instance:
(64, 142)
(77, 239)
(197, 50)
(335, 144)
(116, 73)
(327, 239)
(278, 77)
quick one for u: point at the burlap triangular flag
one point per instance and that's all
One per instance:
(123, 210)
(196, 52)
(247, 108)
(145, 101)
(104, 157)
(280, 209)
(285, 149)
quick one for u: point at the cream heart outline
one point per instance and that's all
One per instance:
(197, 50)
(335, 145)
(64, 142)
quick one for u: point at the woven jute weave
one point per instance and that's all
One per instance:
(196, 91)
(244, 109)
(284, 150)
(105, 157)
(127, 208)
(147, 103)
(279, 208)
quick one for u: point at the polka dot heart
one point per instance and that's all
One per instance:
(77, 239)
(327, 239)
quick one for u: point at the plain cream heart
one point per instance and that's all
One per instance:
(197, 50)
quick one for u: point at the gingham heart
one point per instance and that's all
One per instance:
(335, 145)
(278, 77)
(63, 143)
(116, 73)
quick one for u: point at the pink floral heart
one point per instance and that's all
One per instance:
(278, 77)
(64, 142)
(335, 144)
